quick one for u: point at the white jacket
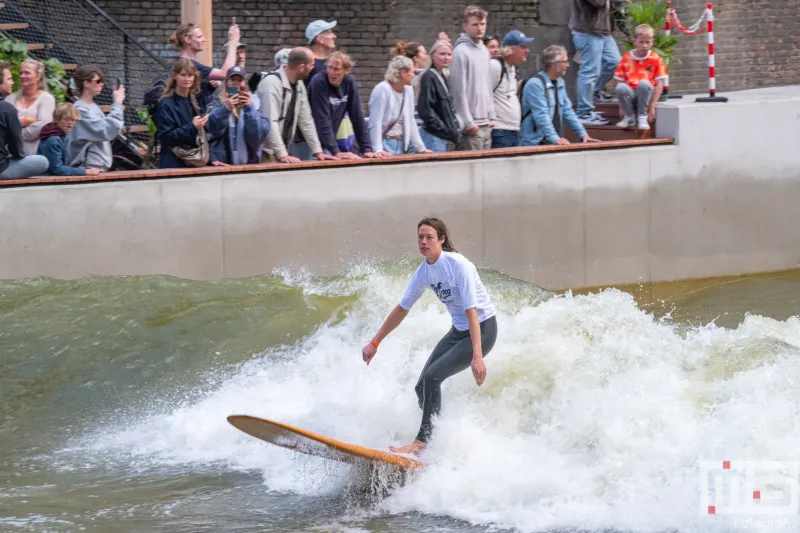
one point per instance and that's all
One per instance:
(380, 110)
(275, 93)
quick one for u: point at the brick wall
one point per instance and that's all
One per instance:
(757, 40)
(757, 44)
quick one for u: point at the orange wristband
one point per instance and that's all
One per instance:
(374, 343)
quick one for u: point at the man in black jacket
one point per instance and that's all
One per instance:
(13, 165)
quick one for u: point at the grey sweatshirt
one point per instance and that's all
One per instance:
(591, 16)
(90, 139)
(470, 83)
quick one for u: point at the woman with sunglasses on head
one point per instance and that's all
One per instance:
(493, 44)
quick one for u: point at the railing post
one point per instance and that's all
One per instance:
(125, 60)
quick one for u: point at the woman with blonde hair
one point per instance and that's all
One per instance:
(34, 103)
(183, 113)
(90, 139)
(391, 110)
(435, 105)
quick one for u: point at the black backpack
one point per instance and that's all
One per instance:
(154, 91)
(503, 72)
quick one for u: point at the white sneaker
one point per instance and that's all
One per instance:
(593, 119)
(627, 122)
(644, 124)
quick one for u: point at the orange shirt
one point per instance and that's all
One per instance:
(634, 69)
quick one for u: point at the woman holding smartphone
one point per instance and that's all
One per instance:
(455, 281)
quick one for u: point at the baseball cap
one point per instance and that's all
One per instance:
(241, 45)
(282, 57)
(516, 38)
(236, 70)
(317, 27)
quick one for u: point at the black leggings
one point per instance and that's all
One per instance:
(452, 355)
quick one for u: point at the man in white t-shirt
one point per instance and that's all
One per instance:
(503, 71)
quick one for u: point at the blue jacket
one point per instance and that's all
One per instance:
(55, 150)
(538, 112)
(174, 116)
(244, 137)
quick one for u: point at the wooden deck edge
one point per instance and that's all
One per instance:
(308, 165)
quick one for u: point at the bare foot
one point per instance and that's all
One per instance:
(414, 448)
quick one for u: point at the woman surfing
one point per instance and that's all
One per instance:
(455, 281)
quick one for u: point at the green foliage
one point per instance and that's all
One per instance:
(15, 53)
(652, 12)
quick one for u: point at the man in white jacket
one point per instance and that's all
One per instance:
(470, 82)
(284, 102)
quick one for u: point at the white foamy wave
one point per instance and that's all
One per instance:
(594, 414)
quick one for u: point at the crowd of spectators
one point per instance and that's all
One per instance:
(462, 95)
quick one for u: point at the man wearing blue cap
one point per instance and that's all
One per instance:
(503, 71)
(322, 42)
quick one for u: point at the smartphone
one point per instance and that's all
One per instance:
(119, 84)
(234, 22)
(233, 90)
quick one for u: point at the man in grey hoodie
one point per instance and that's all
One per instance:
(470, 83)
(591, 26)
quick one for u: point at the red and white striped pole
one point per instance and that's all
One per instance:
(712, 80)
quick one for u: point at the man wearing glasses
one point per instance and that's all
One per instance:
(545, 104)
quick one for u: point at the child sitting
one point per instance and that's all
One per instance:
(53, 143)
(642, 73)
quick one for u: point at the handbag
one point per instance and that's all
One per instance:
(197, 156)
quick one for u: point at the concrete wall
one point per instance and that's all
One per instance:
(723, 200)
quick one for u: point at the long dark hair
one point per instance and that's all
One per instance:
(441, 231)
(180, 65)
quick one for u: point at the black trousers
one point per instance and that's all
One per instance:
(452, 355)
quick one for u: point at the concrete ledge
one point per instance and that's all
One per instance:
(306, 165)
(721, 201)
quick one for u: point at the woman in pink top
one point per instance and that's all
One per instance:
(34, 104)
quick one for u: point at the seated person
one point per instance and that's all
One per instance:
(392, 126)
(13, 164)
(238, 141)
(90, 138)
(53, 143)
(34, 103)
(641, 74)
(332, 94)
(545, 104)
(183, 112)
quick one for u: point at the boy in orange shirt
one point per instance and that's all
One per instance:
(641, 74)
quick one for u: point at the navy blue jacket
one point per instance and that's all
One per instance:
(174, 116)
(328, 106)
(55, 150)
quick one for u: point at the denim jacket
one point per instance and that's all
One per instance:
(537, 113)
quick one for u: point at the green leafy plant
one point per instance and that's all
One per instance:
(152, 129)
(15, 52)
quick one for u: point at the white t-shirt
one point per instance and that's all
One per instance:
(455, 281)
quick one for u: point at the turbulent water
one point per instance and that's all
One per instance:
(594, 416)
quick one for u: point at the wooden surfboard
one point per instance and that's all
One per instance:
(312, 443)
